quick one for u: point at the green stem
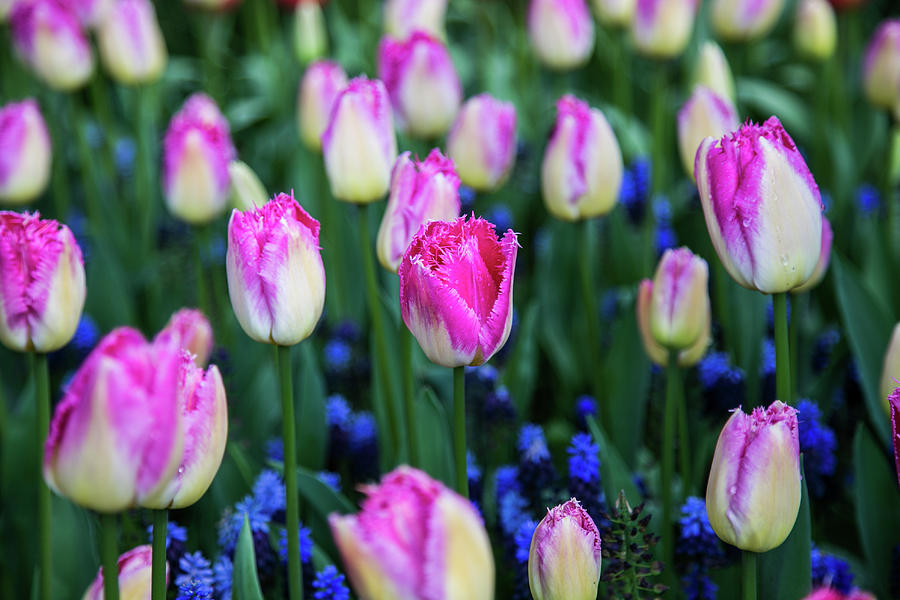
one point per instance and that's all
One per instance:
(799, 306)
(59, 186)
(158, 572)
(459, 430)
(109, 555)
(409, 394)
(334, 242)
(748, 571)
(283, 364)
(660, 124)
(622, 70)
(684, 448)
(782, 349)
(261, 22)
(200, 239)
(673, 381)
(588, 298)
(42, 398)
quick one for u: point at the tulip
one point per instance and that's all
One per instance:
(824, 259)
(895, 429)
(197, 150)
(662, 28)
(753, 495)
(115, 439)
(26, 156)
(712, 71)
(705, 114)
(482, 142)
(582, 169)
(403, 17)
(50, 40)
(359, 143)
(456, 284)
(890, 371)
(423, 85)
(42, 286)
(213, 5)
(828, 593)
(320, 86)
(134, 576)
(561, 31)
(744, 20)
(310, 36)
(615, 13)
(881, 65)
(91, 12)
(815, 29)
(762, 207)
(420, 192)
(247, 191)
(131, 44)
(189, 330)
(414, 539)
(5, 8)
(564, 559)
(276, 279)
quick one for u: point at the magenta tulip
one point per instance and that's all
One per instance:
(189, 329)
(25, 152)
(482, 142)
(321, 84)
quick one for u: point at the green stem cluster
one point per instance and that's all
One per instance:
(292, 509)
(409, 393)
(673, 391)
(782, 349)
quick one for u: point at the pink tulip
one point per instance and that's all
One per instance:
(456, 284)
(196, 152)
(705, 114)
(321, 84)
(25, 152)
(131, 43)
(744, 20)
(421, 191)
(561, 31)
(894, 401)
(881, 65)
(403, 17)
(415, 540)
(42, 286)
(134, 576)
(189, 329)
(482, 142)
(824, 258)
(115, 439)
(827, 593)
(276, 279)
(662, 28)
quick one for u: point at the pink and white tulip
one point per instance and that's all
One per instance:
(319, 88)
(131, 43)
(50, 40)
(135, 568)
(815, 29)
(658, 353)
(276, 279)
(421, 191)
(422, 82)
(881, 65)
(705, 114)
(561, 31)
(403, 17)
(25, 152)
(196, 152)
(615, 13)
(753, 494)
(482, 142)
(679, 306)
(189, 329)
(744, 20)
(116, 438)
(712, 71)
(824, 258)
(582, 169)
(414, 539)
(564, 559)
(662, 28)
(359, 144)
(42, 288)
(890, 369)
(762, 207)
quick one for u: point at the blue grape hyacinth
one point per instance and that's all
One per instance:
(329, 585)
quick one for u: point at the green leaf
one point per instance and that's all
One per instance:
(310, 396)
(245, 583)
(320, 496)
(436, 451)
(613, 470)
(521, 374)
(785, 572)
(767, 98)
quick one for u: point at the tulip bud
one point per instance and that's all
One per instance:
(423, 85)
(615, 13)
(247, 191)
(705, 114)
(197, 150)
(420, 192)
(213, 5)
(894, 401)
(712, 71)
(753, 495)
(767, 239)
(561, 31)
(135, 569)
(679, 308)
(276, 279)
(115, 439)
(456, 284)
(403, 17)
(890, 371)
(359, 143)
(824, 259)
(662, 28)
(658, 353)
(131, 45)
(320, 86)
(881, 65)
(26, 156)
(42, 287)
(189, 330)
(815, 29)
(744, 20)
(415, 539)
(50, 40)
(564, 559)
(582, 169)
(310, 36)
(482, 142)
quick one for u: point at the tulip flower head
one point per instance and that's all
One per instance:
(824, 258)
(421, 191)
(25, 152)
(705, 114)
(662, 28)
(310, 35)
(561, 31)
(276, 279)
(482, 142)
(894, 401)
(815, 29)
(135, 568)
(890, 371)
(189, 329)
(881, 65)
(456, 284)
(564, 559)
(762, 207)
(403, 17)
(415, 540)
(320, 86)
(422, 82)
(582, 170)
(42, 287)
(131, 44)
(615, 13)
(744, 20)
(197, 150)
(712, 71)
(753, 494)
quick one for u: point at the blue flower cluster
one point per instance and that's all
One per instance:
(723, 384)
(868, 200)
(473, 472)
(585, 406)
(329, 585)
(699, 545)
(824, 348)
(584, 476)
(818, 444)
(635, 189)
(306, 545)
(697, 585)
(665, 233)
(351, 435)
(829, 570)
(196, 581)
(536, 473)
